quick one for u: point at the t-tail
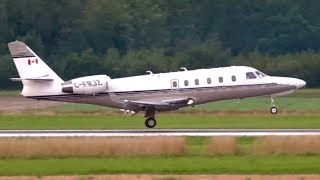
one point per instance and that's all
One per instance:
(37, 77)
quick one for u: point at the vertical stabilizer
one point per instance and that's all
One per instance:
(37, 77)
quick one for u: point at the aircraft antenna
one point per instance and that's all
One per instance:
(183, 68)
(150, 72)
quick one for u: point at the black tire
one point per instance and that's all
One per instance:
(150, 122)
(273, 110)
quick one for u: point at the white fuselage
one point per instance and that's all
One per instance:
(215, 77)
(202, 86)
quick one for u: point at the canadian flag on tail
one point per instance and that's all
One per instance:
(31, 61)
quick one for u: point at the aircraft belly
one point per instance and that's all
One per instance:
(199, 95)
(205, 95)
(101, 99)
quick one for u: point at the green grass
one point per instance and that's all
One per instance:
(194, 120)
(9, 93)
(307, 93)
(162, 165)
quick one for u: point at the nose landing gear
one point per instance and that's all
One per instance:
(273, 109)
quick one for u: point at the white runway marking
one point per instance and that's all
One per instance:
(160, 132)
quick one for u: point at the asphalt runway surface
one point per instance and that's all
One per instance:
(160, 132)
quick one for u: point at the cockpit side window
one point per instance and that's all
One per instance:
(251, 75)
(260, 74)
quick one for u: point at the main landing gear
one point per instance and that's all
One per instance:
(150, 121)
(273, 108)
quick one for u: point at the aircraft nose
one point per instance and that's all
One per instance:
(298, 83)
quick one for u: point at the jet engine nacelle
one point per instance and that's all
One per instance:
(87, 85)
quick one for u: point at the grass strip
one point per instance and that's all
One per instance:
(163, 165)
(286, 145)
(63, 147)
(8, 93)
(91, 146)
(197, 120)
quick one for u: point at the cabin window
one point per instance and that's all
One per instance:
(174, 84)
(209, 80)
(251, 75)
(221, 79)
(196, 81)
(186, 83)
(233, 78)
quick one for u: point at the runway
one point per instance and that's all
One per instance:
(160, 132)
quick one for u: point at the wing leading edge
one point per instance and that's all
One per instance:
(163, 102)
(157, 104)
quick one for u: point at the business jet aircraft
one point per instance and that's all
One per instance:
(150, 93)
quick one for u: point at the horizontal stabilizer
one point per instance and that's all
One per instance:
(31, 79)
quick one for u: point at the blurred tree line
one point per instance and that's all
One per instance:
(126, 37)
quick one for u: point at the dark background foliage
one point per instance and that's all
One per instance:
(125, 37)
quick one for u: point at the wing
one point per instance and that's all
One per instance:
(162, 102)
(159, 103)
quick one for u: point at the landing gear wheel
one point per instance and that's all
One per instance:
(273, 110)
(150, 122)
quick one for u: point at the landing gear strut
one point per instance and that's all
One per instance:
(150, 122)
(273, 108)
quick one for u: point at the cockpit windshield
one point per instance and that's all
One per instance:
(250, 75)
(260, 74)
